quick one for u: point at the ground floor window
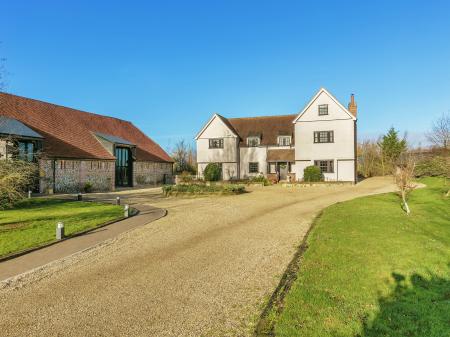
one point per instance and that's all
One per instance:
(272, 167)
(326, 166)
(253, 167)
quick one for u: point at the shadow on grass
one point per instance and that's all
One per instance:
(420, 307)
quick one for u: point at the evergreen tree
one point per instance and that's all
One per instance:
(392, 147)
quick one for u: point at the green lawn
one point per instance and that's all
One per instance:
(33, 221)
(370, 270)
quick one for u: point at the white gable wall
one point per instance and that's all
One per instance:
(341, 151)
(228, 156)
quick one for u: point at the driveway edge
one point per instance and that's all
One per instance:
(265, 326)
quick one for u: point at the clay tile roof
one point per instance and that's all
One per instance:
(281, 155)
(70, 133)
(268, 128)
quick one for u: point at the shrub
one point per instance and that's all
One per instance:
(432, 167)
(260, 179)
(212, 172)
(312, 173)
(16, 177)
(186, 177)
(203, 189)
(88, 187)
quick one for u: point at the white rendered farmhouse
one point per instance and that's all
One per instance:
(322, 134)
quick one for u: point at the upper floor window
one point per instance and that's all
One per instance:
(323, 109)
(323, 136)
(284, 140)
(216, 143)
(326, 166)
(253, 141)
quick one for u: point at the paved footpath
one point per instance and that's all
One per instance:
(205, 269)
(63, 249)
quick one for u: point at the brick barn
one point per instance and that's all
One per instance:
(75, 149)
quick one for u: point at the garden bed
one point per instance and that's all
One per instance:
(203, 189)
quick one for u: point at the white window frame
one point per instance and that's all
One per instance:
(252, 138)
(284, 137)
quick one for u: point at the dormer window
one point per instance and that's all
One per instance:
(284, 140)
(253, 141)
(323, 109)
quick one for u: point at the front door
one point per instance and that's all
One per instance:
(124, 167)
(283, 169)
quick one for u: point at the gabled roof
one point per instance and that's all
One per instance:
(223, 119)
(13, 127)
(323, 90)
(70, 133)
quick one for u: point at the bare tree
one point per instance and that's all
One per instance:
(370, 159)
(404, 176)
(185, 158)
(440, 132)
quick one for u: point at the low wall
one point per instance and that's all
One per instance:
(71, 176)
(151, 173)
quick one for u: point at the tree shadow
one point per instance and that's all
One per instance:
(420, 307)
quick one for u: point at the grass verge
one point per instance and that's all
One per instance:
(32, 222)
(370, 270)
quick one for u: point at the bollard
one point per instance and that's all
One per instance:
(126, 211)
(60, 231)
(29, 194)
(118, 201)
(79, 197)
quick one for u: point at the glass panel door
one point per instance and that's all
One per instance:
(123, 167)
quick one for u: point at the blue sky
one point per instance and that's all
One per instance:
(168, 65)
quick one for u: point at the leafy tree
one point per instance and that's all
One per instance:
(392, 147)
(212, 172)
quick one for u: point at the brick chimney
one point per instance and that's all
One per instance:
(352, 107)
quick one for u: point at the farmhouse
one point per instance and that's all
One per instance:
(75, 149)
(322, 134)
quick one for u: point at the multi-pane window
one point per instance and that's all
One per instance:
(323, 109)
(326, 166)
(323, 136)
(284, 140)
(253, 167)
(25, 150)
(252, 141)
(216, 143)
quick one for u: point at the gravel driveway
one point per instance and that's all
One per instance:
(204, 270)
